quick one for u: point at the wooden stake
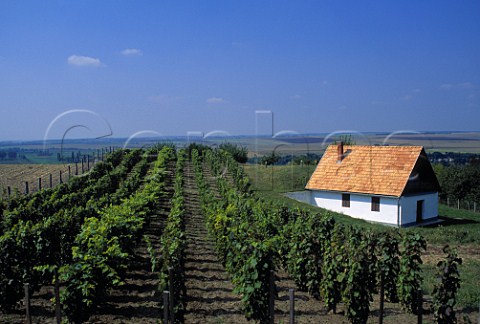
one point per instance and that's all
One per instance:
(166, 298)
(419, 306)
(27, 303)
(39, 183)
(291, 294)
(9, 190)
(51, 181)
(171, 288)
(61, 181)
(26, 187)
(382, 297)
(58, 310)
(271, 301)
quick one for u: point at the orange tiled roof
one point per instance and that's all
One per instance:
(378, 170)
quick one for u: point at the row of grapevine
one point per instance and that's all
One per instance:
(245, 250)
(333, 262)
(172, 272)
(104, 246)
(41, 230)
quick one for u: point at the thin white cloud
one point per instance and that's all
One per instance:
(132, 52)
(463, 85)
(79, 60)
(216, 100)
(297, 97)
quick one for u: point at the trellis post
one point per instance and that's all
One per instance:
(26, 287)
(291, 294)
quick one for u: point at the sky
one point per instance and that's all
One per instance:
(94, 68)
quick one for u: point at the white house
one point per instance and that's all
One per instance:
(394, 185)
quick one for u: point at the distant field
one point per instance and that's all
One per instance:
(15, 175)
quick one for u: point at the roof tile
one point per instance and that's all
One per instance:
(380, 170)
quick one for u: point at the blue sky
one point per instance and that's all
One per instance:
(180, 66)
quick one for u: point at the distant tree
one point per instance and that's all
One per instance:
(459, 181)
(239, 153)
(270, 159)
(346, 139)
(3, 155)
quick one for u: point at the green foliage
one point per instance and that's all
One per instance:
(103, 248)
(172, 272)
(245, 250)
(410, 278)
(239, 153)
(459, 181)
(303, 244)
(269, 159)
(388, 264)
(334, 263)
(357, 293)
(445, 292)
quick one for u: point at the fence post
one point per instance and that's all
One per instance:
(26, 187)
(419, 306)
(27, 303)
(271, 294)
(58, 311)
(9, 190)
(69, 172)
(88, 162)
(76, 168)
(474, 207)
(61, 180)
(382, 298)
(458, 203)
(40, 183)
(291, 294)
(51, 181)
(83, 168)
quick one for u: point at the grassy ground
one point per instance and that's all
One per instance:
(460, 229)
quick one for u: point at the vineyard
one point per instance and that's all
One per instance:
(162, 233)
(15, 176)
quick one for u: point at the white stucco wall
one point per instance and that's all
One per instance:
(360, 206)
(408, 207)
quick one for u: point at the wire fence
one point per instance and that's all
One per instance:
(461, 204)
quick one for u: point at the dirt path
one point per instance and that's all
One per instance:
(209, 292)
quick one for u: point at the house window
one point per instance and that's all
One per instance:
(345, 200)
(375, 203)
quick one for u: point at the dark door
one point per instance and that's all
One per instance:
(419, 211)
